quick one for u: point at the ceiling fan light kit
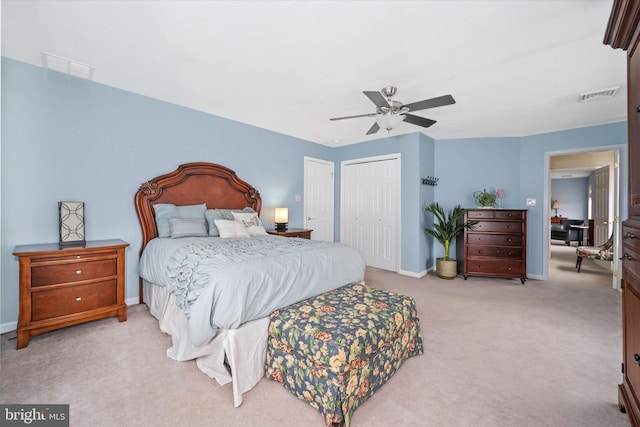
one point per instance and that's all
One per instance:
(390, 113)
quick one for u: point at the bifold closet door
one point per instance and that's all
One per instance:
(371, 211)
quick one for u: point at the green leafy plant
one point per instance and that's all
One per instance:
(484, 198)
(446, 226)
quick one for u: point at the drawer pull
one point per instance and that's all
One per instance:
(509, 240)
(638, 109)
(509, 226)
(78, 271)
(636, 357)
(78, 299)
(626, 256)
(629, 235)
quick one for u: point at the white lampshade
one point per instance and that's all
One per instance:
(389, 121)
(281, 215)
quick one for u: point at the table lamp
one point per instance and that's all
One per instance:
(281, 219)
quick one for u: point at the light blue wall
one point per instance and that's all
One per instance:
(465, 166)
(68, 139)
(573, 197)
(65, 138)
(535, 150)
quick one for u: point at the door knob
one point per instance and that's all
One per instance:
(309, 218)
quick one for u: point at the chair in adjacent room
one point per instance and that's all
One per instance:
(603, 252)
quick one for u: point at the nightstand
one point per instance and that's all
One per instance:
(64, 286)
(292, 232)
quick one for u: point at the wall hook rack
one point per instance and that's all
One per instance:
(430, 180)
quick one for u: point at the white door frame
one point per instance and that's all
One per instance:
(615, 190)
(393, 156)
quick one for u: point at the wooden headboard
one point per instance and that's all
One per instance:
(190, 184)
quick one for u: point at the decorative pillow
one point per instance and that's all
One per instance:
(166, 211)
(251, 222)
(188, 227)
(230, 228)
(212, 214)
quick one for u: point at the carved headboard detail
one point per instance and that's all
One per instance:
(190, 184)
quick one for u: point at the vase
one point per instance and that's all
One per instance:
(446, 269)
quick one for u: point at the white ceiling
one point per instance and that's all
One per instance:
(515, 67)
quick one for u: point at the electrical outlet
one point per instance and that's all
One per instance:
(531, 202)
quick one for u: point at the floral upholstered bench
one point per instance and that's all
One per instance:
(336, 349)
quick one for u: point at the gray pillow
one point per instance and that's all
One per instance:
(188, 227)
(212, 214)
(166, 211)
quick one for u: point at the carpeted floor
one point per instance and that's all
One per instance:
(497, 353)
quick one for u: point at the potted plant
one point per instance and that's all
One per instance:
(446, 226)
(484, 199)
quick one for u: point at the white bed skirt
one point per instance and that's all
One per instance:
(244, 348)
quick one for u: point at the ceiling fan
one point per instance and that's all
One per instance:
(389, 113)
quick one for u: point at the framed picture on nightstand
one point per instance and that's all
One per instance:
(71, 219)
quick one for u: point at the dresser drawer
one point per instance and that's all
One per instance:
(516, 215)
(631, 320)
(499, 226)
(494, 239)
(65, 273)
(631, 265)
(474, 251)
(505, 267)
(481, 214)
(631, 237)
(73, 299)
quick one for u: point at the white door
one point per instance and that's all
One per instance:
(601, 224)
(370, 210)
(318, 198)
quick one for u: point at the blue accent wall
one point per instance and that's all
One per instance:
(65, 138)
(572, 195)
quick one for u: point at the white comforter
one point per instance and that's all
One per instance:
(223, 283)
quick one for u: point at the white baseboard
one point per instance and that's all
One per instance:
(132, 301)
(8, 327)
(414, 274)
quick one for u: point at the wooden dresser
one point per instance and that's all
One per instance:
(497, 246)
(64, 286)
(623, 31)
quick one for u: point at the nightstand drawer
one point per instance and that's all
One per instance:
(73, 299)
(65, 273)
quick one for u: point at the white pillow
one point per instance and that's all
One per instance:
(251, 222)
(188, 227)
(231, 228)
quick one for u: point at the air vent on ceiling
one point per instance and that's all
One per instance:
(66, 65)
(598, 94)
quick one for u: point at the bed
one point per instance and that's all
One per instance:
(213, 293)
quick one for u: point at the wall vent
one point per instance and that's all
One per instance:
(597, 95)
(66, 65)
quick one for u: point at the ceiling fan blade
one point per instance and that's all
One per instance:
(417, 120)
(375, 128)
(353, 117)
(431, 103)
(377, 98)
